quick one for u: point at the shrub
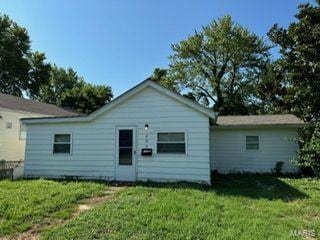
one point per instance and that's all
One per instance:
(278, 168)
(308, 155)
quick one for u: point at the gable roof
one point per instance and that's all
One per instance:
(259, 120)
(26, 105)
(122, 98)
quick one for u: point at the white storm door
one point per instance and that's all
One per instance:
(125, 154)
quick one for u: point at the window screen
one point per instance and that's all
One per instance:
(252, 142)
(125, 146)
(62, 143)
(171, 142)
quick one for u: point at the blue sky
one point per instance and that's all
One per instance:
(120, 42)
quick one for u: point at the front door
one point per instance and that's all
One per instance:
(125, 154)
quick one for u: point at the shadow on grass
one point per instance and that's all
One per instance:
(255, 186)
(252, 186)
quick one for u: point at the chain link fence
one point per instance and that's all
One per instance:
(7, 168)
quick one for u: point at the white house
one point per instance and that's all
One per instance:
(152, 133)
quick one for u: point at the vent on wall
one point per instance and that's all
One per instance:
(8, 125)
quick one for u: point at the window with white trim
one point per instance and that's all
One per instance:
(23, 131)
(252, 142)
(62, 143)
(171, 142)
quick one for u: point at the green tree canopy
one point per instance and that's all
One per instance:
(161, 76)
(23, 72)
(296, 82)
(60, 80)
(221, 65)
(66, 89)
(20, 69)
(39, 73)
(86, 97)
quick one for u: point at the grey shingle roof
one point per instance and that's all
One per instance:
(252, 120)
(22, 104)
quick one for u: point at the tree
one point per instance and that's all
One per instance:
(220, 65)
(270, 91)
(86, 97)
(297, 71)
(67, 89)
(39, 73)
(14, 48)
(308, 156)
(295, 83)
(60, 80)
(21, 71)
(161, 76)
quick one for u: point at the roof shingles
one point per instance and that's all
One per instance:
(22, 104)
(255, 120)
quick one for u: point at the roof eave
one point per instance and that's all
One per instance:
(283, 125)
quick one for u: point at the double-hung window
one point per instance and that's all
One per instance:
(62, 143)
(171, 142)
(252, 142)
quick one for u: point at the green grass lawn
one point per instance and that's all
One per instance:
(237, 207)
(28, 202)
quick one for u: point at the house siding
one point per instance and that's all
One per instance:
(228, 149)
(12, 147)
(94, 143)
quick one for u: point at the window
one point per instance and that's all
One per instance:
(23, 131)
(8, 125)
(125, 146)
(62, 143)
(171, 142)
(252, 142)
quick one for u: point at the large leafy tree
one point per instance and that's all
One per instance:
(220, 65)
(23, 72)
(60, 80)
(86, 97)
(308, 155)
(39, 73)
(14, 48)
(296, 82)
(270, 91)
(66, 89)
(161, 76)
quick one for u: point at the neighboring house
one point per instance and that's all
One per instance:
(12, 133)
(152, 133)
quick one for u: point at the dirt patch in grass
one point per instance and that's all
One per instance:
(34, 232)
(93, 202)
